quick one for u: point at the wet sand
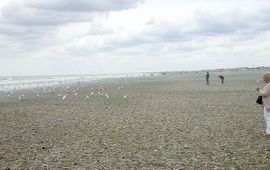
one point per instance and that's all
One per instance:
(164, 122)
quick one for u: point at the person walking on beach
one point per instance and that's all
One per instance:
(207, 78)
(265, 93)
(221, 78)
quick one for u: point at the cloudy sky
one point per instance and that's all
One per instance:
(41, 37)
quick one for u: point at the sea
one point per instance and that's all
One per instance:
(26, 82)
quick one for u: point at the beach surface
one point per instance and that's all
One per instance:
(174, 121)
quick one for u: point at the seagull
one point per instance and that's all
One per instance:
(107, 95)
(64, 97)
(21, 98)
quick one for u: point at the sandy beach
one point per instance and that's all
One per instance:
(173, 121)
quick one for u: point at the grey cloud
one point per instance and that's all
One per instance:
(235, 23)
(204, 24)
(28, 25)
(207, 24)
(214, 25)
(166, 32)
(9, 29)
(82, 5)
(44, 12)
(21, 15)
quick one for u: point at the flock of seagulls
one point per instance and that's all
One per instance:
(53, 87)
(65, 92)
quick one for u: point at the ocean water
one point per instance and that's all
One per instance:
(26, 82)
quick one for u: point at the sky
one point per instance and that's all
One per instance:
(65, 37)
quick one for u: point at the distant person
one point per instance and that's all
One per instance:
(221, 78)
(265, 93)
(207, 78)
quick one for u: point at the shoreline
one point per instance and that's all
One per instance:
(29, 82)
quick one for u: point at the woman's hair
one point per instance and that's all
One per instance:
(267, 75)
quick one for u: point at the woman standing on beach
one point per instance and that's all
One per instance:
(265, 93)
